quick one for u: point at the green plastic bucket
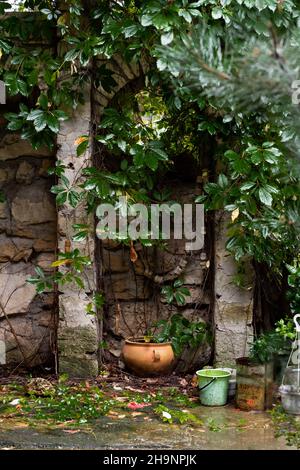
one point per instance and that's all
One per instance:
(213, 386)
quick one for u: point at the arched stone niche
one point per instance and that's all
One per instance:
(129, 298)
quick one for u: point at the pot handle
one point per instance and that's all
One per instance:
(296, 321)
(156, 356)
(206, 385)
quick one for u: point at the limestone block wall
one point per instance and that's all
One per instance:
(78, 338)
(27, 240)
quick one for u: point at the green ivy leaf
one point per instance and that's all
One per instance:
(73, 198)
(246, 186)
(82, 147)
(40, 122)
(222, 181)
(52, 122)
(265, 197)
(151, 160)
(167, 38)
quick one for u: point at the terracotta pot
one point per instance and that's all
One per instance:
(147, 359)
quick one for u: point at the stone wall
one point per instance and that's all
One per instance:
(27, 239)
(233, 305)
(30, 229)
(134, 300)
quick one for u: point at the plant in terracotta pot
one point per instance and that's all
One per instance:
(161, 350)
(152, 354)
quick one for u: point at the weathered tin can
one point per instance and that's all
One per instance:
(254, 385)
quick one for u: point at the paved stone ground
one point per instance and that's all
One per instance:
(225, 428)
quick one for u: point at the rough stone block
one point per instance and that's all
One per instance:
(126, 286)
(12, 147)
(15, 293)
(25, 173)
(33, 205)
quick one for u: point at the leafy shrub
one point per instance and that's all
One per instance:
(272, 342)
(182, 332)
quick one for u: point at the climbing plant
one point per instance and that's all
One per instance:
(199, 55)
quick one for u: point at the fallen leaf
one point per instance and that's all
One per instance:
(20, 425)
(136, 390)
(152, 381)
(117, 388)
(136, 413)
(87, 384)
(166, 415)
(194, 381)
(62, 425)
(121, 416)
(15, 402)
(71, 431)
(183, 382)
(133, 405)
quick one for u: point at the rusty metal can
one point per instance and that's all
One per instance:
(254, 384)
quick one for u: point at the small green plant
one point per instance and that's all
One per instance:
(181, 332)
(171, 416)
(179, 398)
(73, 404)
(272, 342)
(286, 426)
(76, 264)
(286, 329)
(265, 346)
(176, 293)
(213, 426)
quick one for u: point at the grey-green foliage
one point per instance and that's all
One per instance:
(241, 72)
